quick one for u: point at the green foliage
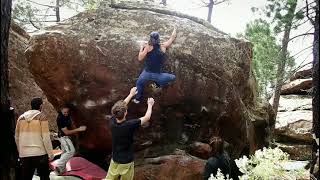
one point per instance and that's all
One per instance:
(265, 53)
(268, 164)
(280, 13)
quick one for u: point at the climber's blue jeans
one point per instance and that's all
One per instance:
(161, 79)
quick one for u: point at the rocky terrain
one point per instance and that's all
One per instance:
(23, 87)
(294, 118)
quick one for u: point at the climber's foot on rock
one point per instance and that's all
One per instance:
(135, 101)
(155, 88)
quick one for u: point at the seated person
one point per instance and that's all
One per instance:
(220, 160)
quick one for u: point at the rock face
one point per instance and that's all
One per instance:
(91, 61)
(303, 74)
(293, 131)
(297, 151)
(22, 85)
(201, 150)
(295, 125)
(171, 167)
(295, 103)
(298, 86)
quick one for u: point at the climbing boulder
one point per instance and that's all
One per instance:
(91, 61)
(22, 86)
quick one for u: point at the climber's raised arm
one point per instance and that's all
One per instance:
(132, 93)
(147, 116)
(173, 36)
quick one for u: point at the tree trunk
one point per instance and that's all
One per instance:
(8, 152)
(210, 6)
(5, 26)
(315, 91)
(57, 10)
(283, 58)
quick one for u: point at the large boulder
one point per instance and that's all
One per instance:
(91, 61)
(22, 85)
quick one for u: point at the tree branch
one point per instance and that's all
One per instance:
(50, 6)
(297, 25)
(38, 21)
(33, 24)
(41, 4)
(206, 3)
(307, 13)
(302, 50)
(304, 34)
(44, 14)
(303, 8)
(219, 2)
(298, 68)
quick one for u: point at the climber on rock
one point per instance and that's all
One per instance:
(153, 54)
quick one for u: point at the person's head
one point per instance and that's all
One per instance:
(154, 38)
(65, 110)
(36, 104)
(217, 145)
(119, 110)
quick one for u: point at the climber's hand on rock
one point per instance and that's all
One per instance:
(143, 45)
(133, 91)
(174, 32)
(82, 128)
(150, 101)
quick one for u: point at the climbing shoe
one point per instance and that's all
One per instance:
(135, 101)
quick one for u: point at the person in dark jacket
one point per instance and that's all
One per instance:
(66, 129)
(220, 160)
(153, 54)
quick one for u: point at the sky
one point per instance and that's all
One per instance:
(230, 17)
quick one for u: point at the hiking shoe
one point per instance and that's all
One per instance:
(135, 101)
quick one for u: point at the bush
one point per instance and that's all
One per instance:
(266, 164)
(269, 164)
